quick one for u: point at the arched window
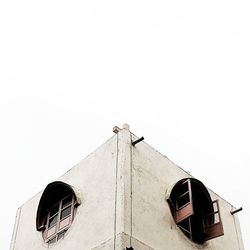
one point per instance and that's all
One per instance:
(194, 212)
(56, 211)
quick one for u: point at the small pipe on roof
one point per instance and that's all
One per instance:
(138, 140)
(236, 210)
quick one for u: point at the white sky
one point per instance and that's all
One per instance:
(176, 71)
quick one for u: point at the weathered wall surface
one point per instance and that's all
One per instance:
(152, 221)
(95, 181)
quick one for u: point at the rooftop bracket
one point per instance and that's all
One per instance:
(137, 141)
(236, 210)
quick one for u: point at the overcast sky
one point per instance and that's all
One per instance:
(176, 71)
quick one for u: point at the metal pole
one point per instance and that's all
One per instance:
(138, 140)
(236, 210)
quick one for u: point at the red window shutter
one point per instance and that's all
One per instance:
(184, 204)
(212, 223)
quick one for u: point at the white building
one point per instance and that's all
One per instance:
(125, 196)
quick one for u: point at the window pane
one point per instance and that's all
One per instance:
(183, 200)
(61, 235)
(54, 210)
(53, 240)
(51, 231)
(182, 188)
(67, 201)
(52, 221)
(64, 222)
(216, 218)
(65, 212)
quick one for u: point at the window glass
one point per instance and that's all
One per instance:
(51, 231)
(52, 221)
(54, 210)
(53, 240)
(183, 200)
(67, 201)
(65, 212)
(61, 235)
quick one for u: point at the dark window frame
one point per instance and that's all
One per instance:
(183, 211)
(198, 224)
(59, 230)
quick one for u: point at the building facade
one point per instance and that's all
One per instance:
(126, 196)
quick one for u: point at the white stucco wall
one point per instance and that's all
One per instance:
(153, 224)
(95, 180)
(122, 190)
